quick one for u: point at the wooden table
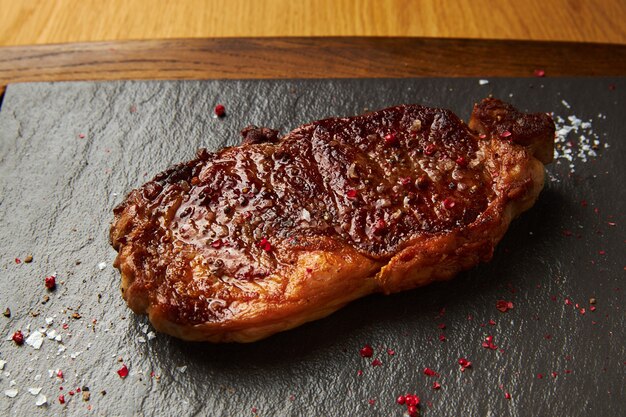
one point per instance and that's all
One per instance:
(306, 58)
(27, 22)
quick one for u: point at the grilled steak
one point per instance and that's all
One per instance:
(259, 238)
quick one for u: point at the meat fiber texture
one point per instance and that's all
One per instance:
(262, 237)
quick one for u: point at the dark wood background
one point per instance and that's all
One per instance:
(350, 57)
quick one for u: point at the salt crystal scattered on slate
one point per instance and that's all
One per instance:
(35, 340)
(11, 393)
(576, 141)
(102, 265)
(75, 354)
(34, 391)
(40, 400)
(2, 363)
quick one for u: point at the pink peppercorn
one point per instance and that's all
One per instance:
(390, 139)
(265, 245)
(123, 371)
(366, 351)
(18, 338)
(50, 282)
(220, 110)
(380, 227)
(430, 150)
(429, 372)
(448, 203)
(504, 306)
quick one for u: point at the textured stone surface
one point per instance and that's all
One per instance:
(57, 190)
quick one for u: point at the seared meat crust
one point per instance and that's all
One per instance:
(254, 239)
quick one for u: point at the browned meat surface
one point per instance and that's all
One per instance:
(259, 238)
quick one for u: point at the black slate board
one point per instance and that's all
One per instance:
(57, 190)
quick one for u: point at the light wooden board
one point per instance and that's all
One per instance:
(28, 22)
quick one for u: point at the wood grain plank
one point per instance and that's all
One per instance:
(305, 58)
(43, 22)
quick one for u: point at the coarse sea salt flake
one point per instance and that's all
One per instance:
(102, 265)
(306, 216)
(11, 393)
(182, 369)
(51, 334)
(483, 82)
(151, 335)
(575, 139)
(35, 340)
(34, 391)
(40, 400)
(141, 339)
(49, 320)
(76, 354)
(566, 104)
(2, 363)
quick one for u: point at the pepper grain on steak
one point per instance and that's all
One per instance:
(254, 239)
